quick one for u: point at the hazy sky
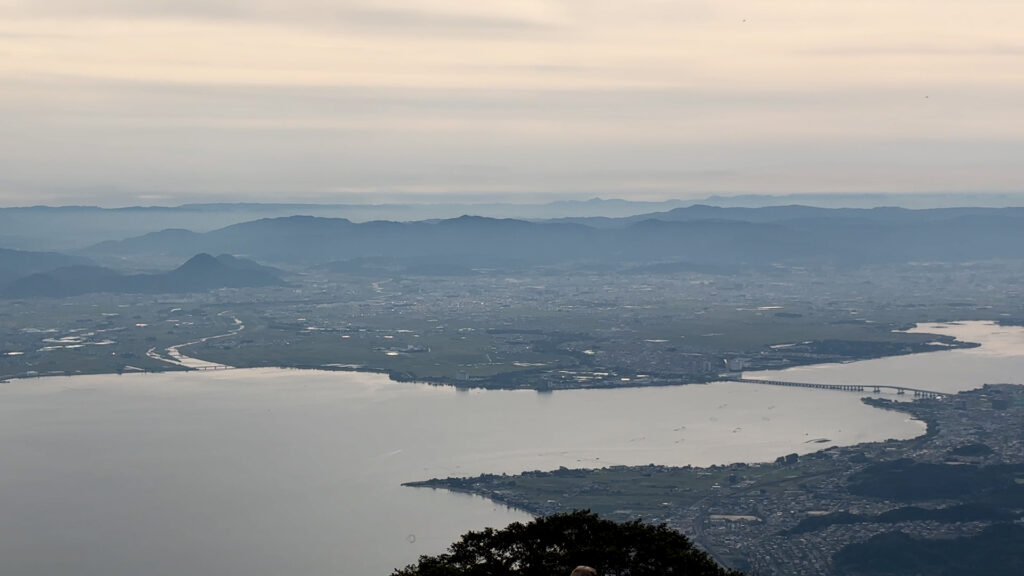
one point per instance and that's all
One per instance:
(167, 101)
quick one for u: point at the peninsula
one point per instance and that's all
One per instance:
(838, 510)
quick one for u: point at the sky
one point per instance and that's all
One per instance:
(121, 102)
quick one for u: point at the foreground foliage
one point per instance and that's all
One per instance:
(554, 545)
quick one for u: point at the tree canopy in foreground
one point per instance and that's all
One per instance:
(554, 545)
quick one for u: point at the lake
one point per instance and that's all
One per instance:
(269, 472)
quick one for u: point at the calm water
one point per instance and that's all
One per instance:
(269, 472)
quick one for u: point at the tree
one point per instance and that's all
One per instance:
(554, 545)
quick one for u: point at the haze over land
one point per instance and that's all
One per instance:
(671, 296)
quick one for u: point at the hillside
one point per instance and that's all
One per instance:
(200, 273)
(15, 264)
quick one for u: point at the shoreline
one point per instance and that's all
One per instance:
(744, 514)
(931, 428)
(459, 484)
(499, 382)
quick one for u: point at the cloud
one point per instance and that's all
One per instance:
(918, 50)
(75, 9)
(243, 139)
(430, 16)
(413, 20)
(322, 95)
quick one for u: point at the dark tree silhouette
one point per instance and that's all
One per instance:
(554, 545)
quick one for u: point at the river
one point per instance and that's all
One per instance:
(269, 472)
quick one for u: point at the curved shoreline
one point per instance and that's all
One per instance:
(499, 431)
(930, 428)
(745, 515)
(456, 484)
(175, 359)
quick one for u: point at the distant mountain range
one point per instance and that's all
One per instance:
(696, 235)
(75, 227)
(66, 228)
(796, 212)
(200, 273)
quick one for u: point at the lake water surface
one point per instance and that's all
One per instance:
(269, 472)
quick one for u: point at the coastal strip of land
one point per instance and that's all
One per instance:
(962, 481)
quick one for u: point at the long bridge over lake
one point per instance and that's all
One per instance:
(875, 389)
(212, 367)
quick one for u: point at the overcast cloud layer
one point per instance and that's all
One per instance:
(150, 101)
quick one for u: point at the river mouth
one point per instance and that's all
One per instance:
(273, 471)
